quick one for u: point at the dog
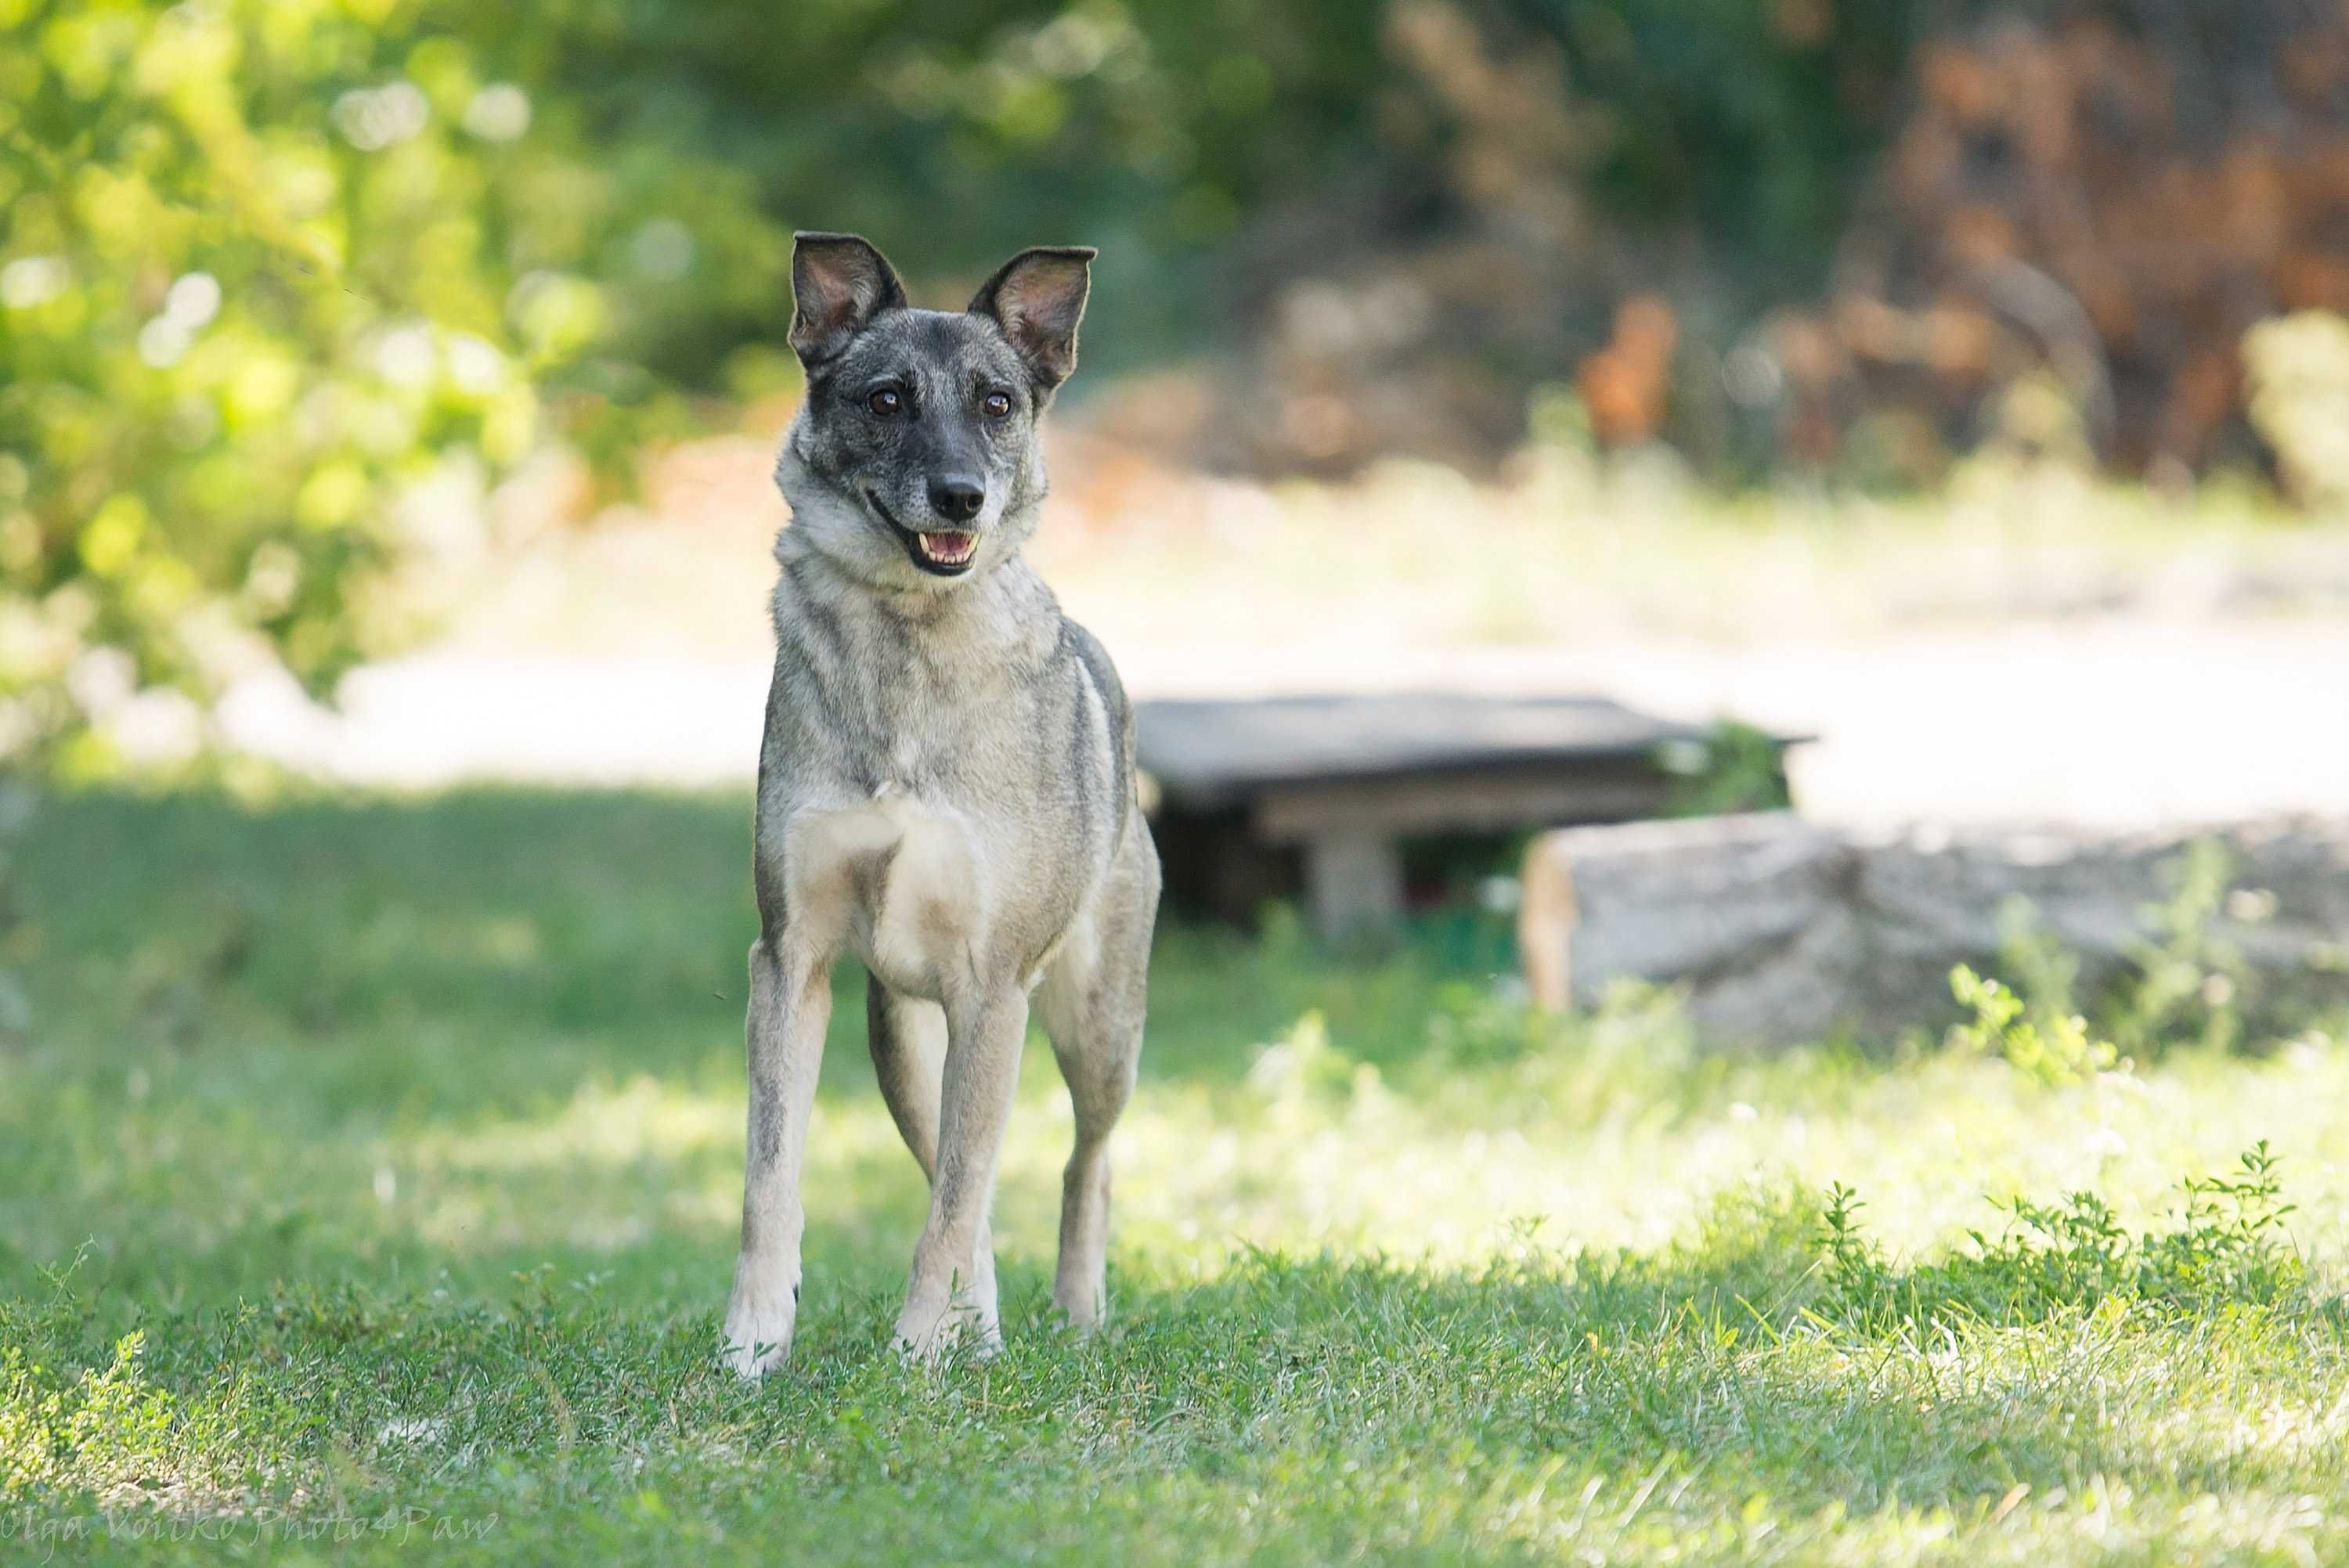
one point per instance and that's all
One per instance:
(945, 787)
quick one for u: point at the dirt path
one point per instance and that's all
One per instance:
(2115, 724)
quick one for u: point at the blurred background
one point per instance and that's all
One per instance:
(387, 389)
(1520, 447)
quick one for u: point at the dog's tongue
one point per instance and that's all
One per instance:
(949, 546)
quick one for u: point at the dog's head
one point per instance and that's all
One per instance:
(914, 460)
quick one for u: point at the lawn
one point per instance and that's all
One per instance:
(368, 1193)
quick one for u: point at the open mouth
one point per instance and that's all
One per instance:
(940, 551)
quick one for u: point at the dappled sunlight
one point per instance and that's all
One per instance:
(640, 1119)
(1365, 1168)
(617, 1164)
(1333, 1157)
(603, 1172)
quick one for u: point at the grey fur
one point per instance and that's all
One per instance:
(945, 787)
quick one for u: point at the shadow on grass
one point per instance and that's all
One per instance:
(1701, 1363)
(551, 932)
(251, 1023)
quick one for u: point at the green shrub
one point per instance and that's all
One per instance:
(263, 269)
(2298, 367)
(2184, 983)
(2225, 1244)
(2055, 1048)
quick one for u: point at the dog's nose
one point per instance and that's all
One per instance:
(957, 500)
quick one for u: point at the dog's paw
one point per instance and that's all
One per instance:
(759, 1329)
(752, 1360)
(1071, 1327)
(1077, 1313)
(929, 1337)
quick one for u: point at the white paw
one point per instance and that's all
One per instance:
(929, 1336)
(753, 1359)
(758, 1328)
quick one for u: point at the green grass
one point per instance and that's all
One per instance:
(371, 1179)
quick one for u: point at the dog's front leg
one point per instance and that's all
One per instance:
(943, 1299)
(791, 1002)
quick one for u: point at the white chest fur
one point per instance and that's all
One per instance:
(899, 880)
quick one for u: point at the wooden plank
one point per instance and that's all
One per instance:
(1207, 754)
(1456, 801)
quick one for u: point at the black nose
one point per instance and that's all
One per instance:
(957, 500)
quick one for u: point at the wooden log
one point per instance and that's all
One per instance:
(1779, 930)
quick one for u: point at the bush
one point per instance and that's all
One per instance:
(2226, 1244)
(264, 269)
(2298, 367)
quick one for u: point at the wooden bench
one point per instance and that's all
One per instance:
(1315, 795)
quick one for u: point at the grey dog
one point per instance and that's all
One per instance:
(946, 788)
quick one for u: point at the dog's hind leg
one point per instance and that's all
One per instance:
(791, 1002)
(1093, 1003)
(908, 1039)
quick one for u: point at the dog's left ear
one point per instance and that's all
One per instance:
(1037, 298)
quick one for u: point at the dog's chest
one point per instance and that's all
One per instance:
(900, 880)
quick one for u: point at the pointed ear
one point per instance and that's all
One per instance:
(839, 281)
(1037, 298)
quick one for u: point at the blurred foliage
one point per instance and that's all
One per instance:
(1734, 767)
(1748, 125)
(2299, 371)
(15, 1009)
(265, 268)
(271, 270)
(2187, 982)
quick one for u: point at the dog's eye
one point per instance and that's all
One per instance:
(997, 404)
(886, 402)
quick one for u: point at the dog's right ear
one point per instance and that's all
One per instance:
(839, 281)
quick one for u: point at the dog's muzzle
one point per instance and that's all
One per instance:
(940, 551)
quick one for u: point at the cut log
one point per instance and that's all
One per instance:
(1779, 930)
